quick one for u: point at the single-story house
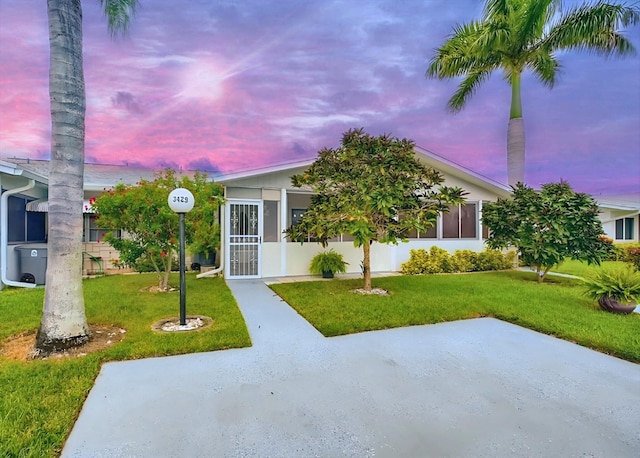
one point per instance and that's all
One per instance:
(260, 204)
(620, 217)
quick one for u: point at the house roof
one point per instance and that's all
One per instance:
(97, 177)
(629, 202)
(10, 167)
(428, 157)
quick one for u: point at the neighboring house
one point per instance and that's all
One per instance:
(620, 217)
(24, 206)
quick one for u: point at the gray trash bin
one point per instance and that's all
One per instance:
(32, 262)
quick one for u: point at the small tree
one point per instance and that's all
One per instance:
(547, 226)
(151, 227)
(374, 189)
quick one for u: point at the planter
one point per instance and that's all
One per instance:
(327, 274)
(613, 306)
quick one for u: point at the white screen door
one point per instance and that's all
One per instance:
(244, 239)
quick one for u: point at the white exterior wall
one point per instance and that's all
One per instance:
(609, 217)
(299, 256)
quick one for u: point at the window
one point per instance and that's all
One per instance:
(460, 222)
(96, 234)
(624, 229)
(24, 226)
(270, 221)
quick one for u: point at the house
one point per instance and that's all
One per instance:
(24, 206)
(620, 217)
(260, 204)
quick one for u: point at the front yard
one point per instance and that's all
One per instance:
(41, 399)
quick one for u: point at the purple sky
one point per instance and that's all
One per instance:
(230, 85)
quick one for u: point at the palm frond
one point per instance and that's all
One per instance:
(545, 66)
(467, 88)
(119, 14)
(594, 28)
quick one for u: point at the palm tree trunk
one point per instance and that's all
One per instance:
(64, 323)
(515, 136)
(366, 265)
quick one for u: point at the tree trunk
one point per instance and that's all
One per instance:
(515, 136)
(64, 323)
(366, 265)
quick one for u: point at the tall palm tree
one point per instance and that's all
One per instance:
(64, 323)
(516, 35)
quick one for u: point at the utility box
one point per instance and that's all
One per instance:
(32, 262)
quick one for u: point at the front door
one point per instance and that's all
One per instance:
(244, 239)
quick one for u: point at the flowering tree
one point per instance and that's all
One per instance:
(151, 227)
(547, 226)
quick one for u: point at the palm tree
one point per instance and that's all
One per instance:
(516, 35)
(64, 323)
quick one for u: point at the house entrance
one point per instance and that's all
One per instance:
(244, 239)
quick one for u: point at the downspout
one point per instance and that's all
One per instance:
(4, 227)
(222, 242)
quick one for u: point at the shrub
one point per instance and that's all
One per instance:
(438, 260)
(328, 261)
(465, 260)
(417, 262)
(622, 285)
(493, 260)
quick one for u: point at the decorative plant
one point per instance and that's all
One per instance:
(328, 263)
(614, 289)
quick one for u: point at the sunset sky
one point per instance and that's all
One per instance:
(234, 84)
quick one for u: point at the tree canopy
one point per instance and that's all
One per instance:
(518, 35)
(372, 188)
(151, 227)
(547, 226)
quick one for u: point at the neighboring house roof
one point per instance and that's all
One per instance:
(97, 177)
(629, 202)
(13, 168)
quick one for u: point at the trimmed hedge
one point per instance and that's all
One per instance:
(438, 260)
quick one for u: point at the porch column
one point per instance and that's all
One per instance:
(283, 226)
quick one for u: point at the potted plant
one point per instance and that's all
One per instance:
(328, 263)
(616, 290)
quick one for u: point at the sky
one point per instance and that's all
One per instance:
(232, 85)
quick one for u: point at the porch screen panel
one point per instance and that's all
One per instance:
(451, 223)
(468, 221)
(244, 237)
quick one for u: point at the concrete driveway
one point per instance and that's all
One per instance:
(477, 388)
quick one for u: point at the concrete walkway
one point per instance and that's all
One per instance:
(480, 388)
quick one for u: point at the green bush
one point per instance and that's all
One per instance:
(438, 260)
(494, 260)
(328, 261)
(622, 285)
(465, 260)
(627, 252)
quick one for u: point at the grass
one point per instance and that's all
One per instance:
(41, 400)
(556, 307)
(580, 269)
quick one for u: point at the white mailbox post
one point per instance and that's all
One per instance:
(181, 201)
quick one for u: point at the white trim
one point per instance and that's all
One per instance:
(283, 225)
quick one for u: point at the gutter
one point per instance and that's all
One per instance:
(4, 227)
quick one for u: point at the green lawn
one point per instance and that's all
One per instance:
(555, 307)
(580, 269)
(41, 400)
